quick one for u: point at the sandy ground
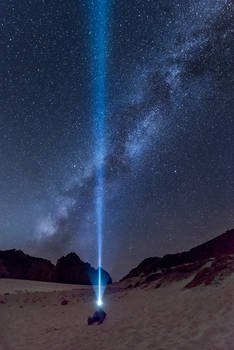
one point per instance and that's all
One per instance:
(32, 317)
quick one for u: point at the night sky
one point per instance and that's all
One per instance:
(169, 130)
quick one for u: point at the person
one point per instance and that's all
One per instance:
(98, 317)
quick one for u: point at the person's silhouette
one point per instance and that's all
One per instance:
(98, 317)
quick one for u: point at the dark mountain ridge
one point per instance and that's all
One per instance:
(216, 247)
(69, 269)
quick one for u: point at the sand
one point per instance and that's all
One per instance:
(32, 317)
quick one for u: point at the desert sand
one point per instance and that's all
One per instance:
(170, 317)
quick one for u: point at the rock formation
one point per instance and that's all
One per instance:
(69, 269)
(221, 245)
(205, 264)
(16, 264)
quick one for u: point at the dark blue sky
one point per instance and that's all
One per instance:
(169, 128)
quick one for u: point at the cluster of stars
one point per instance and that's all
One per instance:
(169, 135)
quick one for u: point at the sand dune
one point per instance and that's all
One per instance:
(32, 317)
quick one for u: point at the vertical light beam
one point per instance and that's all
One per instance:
(99, 42)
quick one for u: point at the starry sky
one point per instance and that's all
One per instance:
(169, 129)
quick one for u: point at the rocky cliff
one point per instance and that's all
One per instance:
(69, 269)
(205, 264)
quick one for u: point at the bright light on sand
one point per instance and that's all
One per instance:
(99, 302)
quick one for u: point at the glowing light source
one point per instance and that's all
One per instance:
(99, 302)
(98, 32)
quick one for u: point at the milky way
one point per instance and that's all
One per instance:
(168, 137)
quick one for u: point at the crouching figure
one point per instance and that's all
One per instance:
(98, 317)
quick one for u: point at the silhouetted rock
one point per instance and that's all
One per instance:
(16, 264)
(3, 270)
(221, 245)
(69, 269)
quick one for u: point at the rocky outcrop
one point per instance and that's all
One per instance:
(215, 273)
(221, 245)
(203, 272)
(208, 263)
(69, 269)
(3, 270)
(16, 264)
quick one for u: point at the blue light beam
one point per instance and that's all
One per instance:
(99, 21)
